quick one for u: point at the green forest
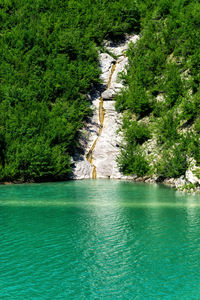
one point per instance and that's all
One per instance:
(161, 101)
(49, 63)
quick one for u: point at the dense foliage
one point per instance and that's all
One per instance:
(163, 89)
(49, 62)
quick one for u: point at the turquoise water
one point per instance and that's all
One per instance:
(98, 239)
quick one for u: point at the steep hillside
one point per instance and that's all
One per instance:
(161, 101)
(49, 63)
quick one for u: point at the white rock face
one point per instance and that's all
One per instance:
(179, 182)
(106, 62)
(115, 83)
(107, 146)
(191, 177)
(101, 135)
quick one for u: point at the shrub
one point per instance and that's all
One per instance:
(173, 163)
(132, 162)
(190, 108)
(135, 133)
(167, 129)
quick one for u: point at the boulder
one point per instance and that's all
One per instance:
(108, 94)
(191, 177)
(106, 62)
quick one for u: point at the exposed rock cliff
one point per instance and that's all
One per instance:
(100, 138)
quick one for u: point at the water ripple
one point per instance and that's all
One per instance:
(98, 240)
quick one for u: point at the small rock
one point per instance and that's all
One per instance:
(108, 94)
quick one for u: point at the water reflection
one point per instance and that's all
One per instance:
(99, 240)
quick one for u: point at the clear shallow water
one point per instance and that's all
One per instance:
(98, 239)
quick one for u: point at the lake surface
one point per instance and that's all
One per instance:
(98, 239)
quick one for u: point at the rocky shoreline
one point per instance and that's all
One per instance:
(180, 184)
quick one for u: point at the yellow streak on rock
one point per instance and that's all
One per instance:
(94, 172)
(101, 115)
(111, 74)
(89, 155)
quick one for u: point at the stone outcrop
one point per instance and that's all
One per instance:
(99, 138)
(115, 85)
(192, 175)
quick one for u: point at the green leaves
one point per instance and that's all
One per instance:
(173, 162)
(162, 85)
(167, 129)
(135, 133)
(49, 61)
(131, 160)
